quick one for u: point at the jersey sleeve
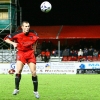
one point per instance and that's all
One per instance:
(35, 35)
(12, 36)
(9, 36)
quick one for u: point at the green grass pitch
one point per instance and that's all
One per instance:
(53, 87)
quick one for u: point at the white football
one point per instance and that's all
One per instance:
(45, 6)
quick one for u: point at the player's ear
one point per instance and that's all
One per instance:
(22, 27)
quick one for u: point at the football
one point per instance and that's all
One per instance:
(45, 6)
(11, 71)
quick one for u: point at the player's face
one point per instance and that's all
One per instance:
(25, 27)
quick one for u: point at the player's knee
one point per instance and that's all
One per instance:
(33, 73)
(19, 71)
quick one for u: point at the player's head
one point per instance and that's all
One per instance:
(25, 26)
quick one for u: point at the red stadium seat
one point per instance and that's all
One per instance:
(82, 58)
(73, 58)
(79, 58)
(69, 58)
(64, 58)
(89, 58)
(95, 58)
(99, 57)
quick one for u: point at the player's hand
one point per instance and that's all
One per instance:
(15, 44)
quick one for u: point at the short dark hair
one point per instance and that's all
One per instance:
(24, 22)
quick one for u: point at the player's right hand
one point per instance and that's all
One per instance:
(15, 44)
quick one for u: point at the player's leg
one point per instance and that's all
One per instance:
(19, 67)
(34, 78)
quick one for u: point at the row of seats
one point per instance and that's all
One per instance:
(80, 58)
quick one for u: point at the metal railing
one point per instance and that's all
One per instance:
(7, 52)
(7, 56)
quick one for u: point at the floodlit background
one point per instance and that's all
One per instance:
(64, 12)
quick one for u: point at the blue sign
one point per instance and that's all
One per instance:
(12, 66)
(82, 66)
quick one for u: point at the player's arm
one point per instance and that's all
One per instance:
(34, 46)
(9, 39)
(11, 42)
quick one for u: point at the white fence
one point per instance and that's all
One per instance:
(54, 67)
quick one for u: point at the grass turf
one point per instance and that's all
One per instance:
(53, 87)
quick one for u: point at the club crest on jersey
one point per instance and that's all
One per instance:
(31, 37)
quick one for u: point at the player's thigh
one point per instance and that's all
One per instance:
(32, 67)
(21, 57)
(19, 67)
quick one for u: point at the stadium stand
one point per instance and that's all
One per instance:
(65, 34)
